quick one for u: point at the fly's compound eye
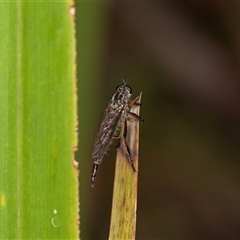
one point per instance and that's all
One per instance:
(124, 86)
(128, 88)
(121, 87)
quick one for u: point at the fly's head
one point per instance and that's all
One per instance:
(122, 96)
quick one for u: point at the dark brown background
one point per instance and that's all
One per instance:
(185, 58)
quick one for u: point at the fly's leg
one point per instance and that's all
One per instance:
(127, 147)
(96, 164)
(118, 138)
(136, 116)
(134, 102)
(118, 145)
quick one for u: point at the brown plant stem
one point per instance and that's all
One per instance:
(124, 202)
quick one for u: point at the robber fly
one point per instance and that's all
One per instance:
(115, 115)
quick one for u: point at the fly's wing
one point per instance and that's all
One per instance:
(106, 132)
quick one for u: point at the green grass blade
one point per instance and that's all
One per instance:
(124, 203)
(38, 180)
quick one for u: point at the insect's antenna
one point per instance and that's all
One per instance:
(124, 81)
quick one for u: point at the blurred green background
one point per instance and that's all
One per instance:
(185, 59)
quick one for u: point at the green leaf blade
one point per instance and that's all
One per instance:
(8, 121)
(39, 192)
